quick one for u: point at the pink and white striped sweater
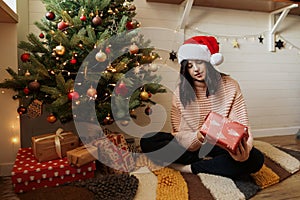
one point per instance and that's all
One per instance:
(186, 122)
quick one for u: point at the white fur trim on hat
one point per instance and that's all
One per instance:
(193, 52)
(198, 52)
(216, 59)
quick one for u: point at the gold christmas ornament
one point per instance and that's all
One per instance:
(51, 118)
(27, 73)
(60, 50)
(91, 92)
(101, 56)
(110, 11)
(144, 95)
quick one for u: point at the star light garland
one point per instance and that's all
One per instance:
(252, 37)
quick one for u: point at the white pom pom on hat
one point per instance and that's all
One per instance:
(204, 48)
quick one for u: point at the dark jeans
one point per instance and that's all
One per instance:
(221, 163)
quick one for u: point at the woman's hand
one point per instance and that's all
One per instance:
(242, 152)
(200, 137)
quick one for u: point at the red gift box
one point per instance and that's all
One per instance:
(114, 153)
(223, 131)
(29, 174)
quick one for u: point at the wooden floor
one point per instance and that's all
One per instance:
(289, 188)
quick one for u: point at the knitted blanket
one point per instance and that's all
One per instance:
(169, 184)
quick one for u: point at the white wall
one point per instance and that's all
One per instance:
(269, 80)
(9, 121)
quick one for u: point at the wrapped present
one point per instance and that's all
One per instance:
(29, 174)
(114, 153)
(82, 155)
(53, 145)
(223, 131)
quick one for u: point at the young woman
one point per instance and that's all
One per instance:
(202, 89)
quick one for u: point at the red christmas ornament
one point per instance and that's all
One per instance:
(149, 95)
(73, 95)
(26, 90)
(83, 18)
(133, 49)
(62, 25)
(22, 110)
(108, 120)
(25, 57)
(50, 15)
(107, 50)
(41, 35)
(148, 111)
(121, 89)
(73, 61)
(130, 25)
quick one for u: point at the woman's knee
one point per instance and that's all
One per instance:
(153, 141)
(257, 160)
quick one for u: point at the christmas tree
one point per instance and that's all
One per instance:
(89, 57)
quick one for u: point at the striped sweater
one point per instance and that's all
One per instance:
(186, 122)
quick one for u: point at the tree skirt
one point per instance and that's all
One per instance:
(171, 184)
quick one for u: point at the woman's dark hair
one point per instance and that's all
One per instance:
(212, 80)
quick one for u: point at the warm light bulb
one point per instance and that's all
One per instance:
(14, 140)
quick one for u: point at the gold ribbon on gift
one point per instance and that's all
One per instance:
(58, 135)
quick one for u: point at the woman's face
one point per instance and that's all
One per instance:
(197, 69)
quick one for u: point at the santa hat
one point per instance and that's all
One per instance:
(204, 48)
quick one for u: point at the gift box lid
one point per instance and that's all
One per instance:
(27, 168)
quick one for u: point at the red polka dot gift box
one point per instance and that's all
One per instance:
(29, 174)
